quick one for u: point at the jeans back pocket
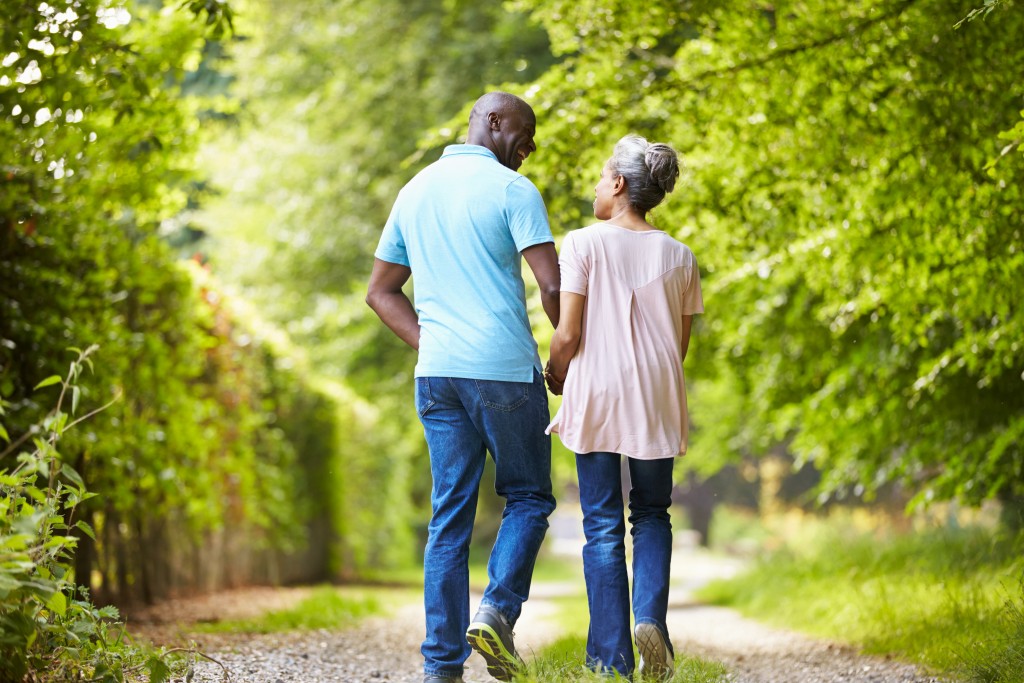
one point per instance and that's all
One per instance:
(504, 396)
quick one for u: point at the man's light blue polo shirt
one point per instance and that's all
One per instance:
(460, 225)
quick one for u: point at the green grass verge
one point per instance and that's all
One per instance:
(327, 607)
(563, 660)
(950, 600)
(549, 568)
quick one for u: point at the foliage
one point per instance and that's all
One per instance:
(860, 257)
(325, 608)
(331, 114)
(99, 165)
(48, 628)
(930, 597)
(980, 12)
(1000, 660)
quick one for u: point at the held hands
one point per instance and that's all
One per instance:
(554, 383)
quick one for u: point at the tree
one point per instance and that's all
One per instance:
(860, 261)
(98, 158)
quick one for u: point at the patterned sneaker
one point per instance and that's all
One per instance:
(430, 678)
(490, 634)
(655, 653)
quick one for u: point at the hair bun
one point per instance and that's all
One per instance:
(663, 164)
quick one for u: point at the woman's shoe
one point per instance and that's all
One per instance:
(655, 652)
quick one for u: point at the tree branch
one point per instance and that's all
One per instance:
(668, 62)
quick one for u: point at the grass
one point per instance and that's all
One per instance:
(1000, 659)
(563, 660)
(327, 607)
(948, 599)
(549, 568)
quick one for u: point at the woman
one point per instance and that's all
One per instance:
(628, 295)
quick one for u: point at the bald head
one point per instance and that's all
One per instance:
(499, 102)
(504, 124)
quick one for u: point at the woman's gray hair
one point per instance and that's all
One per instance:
(650, 170)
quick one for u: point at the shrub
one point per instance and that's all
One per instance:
(48, 626)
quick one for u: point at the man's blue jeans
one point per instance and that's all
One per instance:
(609, 640)
(463, 419)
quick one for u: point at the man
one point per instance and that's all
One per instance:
(460, 228)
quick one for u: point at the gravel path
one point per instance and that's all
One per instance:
(755, 653)
(387, 649)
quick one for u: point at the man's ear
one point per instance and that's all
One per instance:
(494, 120)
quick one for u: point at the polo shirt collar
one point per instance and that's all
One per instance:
(478, 150)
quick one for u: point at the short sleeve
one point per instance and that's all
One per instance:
(574, 270)
(693, 299)
(391, 247)
(527, 216)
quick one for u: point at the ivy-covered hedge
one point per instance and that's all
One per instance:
(223, 460)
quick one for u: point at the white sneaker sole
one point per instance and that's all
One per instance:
(655, 658)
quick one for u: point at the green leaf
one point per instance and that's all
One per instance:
(58, 603)
(76, 393)
(8, 584)
(52, 379)
(73, 476)
(109, 612)
(158, 670)
(3, 434)
(85, 529)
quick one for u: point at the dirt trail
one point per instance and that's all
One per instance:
(382, 649)
(755, 653)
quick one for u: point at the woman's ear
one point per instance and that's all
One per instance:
(618, 185)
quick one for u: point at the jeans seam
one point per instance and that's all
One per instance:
(429, 403)
(444, 674)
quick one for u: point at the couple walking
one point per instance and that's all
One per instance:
(621, 298)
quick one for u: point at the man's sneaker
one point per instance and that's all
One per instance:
(490, 634)
(655, 653)
(431, 678)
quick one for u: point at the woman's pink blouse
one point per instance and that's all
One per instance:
(625, 391)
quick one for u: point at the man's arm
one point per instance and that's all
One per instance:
(543, 261)
(565, 341)
(385, 296)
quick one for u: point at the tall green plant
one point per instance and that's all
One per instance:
(48, 626)
(97, 167)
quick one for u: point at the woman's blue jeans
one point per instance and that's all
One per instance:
(463, 419)
(610, 640)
